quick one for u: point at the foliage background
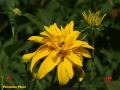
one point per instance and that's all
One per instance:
(36, 14)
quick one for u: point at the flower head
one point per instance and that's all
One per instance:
(93, 19)
(17, 11)
(60, 49)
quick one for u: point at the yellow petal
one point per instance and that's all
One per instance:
(74, 58)
(81, 78)
(44, 33)
(52, 30)
(48, 64)
(72, 36)
(48, 31)
(79, 43)
(84, 53)
(84, 15)
(82, 75)
(68, 68)
(27, 57)
(55, 28)
(86, 45)
(38, 55)
(75, 34)
(62, 74)
(68, 28)
(68, 41)
(103, 17)
(39, 39)
(97, 14)
(36, 39)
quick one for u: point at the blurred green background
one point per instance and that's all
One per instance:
(15, 29)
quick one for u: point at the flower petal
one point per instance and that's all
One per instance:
(82, 74)
(75, 34)
(103, 17)
(84, 53)
(36, 39)
(62, 74)
(38, 55)
(52, 30)
(69, 40)
(79, 43)
(68, 28)
(48, 64)
(27, 57)
(72, 36)
(68, 68)
(55, 28)
(44, 33)
(85, 15)
(74, 58)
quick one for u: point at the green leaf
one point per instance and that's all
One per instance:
(13, 47)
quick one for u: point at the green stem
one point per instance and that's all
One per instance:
(26, 76)
(93, 42)
(1, 77)
(39, 85)
(12, 22)
(53, 77)
(79, 85)
(32, 84)
(13, 32)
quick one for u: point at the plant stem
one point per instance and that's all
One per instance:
(53, 77)
(12, 22)
(39, 85)
(79, 85)
(32, 85)
(93, 44)
(26, 75)
(1, 78)
(13, 32)
(92, 41)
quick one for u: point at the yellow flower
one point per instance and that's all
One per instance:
(93, 19)
(60, 49)
(17, 11)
